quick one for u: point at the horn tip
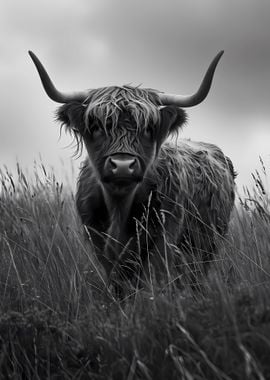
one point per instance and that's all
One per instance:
(32, 55)
(220, 54)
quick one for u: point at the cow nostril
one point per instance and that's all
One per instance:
(132, 165)
(113, 164)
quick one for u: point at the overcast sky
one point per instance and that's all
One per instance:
(165, 45)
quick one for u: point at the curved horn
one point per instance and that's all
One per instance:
(200, 95)
(51, 90)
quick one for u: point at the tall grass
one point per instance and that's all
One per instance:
(58, 320)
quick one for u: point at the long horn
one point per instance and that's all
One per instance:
(49, 87)
(200, 95)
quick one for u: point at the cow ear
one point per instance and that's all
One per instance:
(172, 119)
(72, 116)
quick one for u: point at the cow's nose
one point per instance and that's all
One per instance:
(122, 166)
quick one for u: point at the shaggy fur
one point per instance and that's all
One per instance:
(182, 205)
(109, 103)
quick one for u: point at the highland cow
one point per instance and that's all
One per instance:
(145, 201)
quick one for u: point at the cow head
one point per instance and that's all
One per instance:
(122, 128)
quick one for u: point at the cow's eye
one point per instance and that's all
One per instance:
(148, 133)
(96, 131)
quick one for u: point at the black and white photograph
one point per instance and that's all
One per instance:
(135, 190)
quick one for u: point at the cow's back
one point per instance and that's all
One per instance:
(197, 183)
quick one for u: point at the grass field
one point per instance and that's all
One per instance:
(58, 320)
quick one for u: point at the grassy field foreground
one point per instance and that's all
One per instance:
(58, 321)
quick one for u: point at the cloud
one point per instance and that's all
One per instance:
(164, 45)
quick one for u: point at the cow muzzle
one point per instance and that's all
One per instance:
(122, 169)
